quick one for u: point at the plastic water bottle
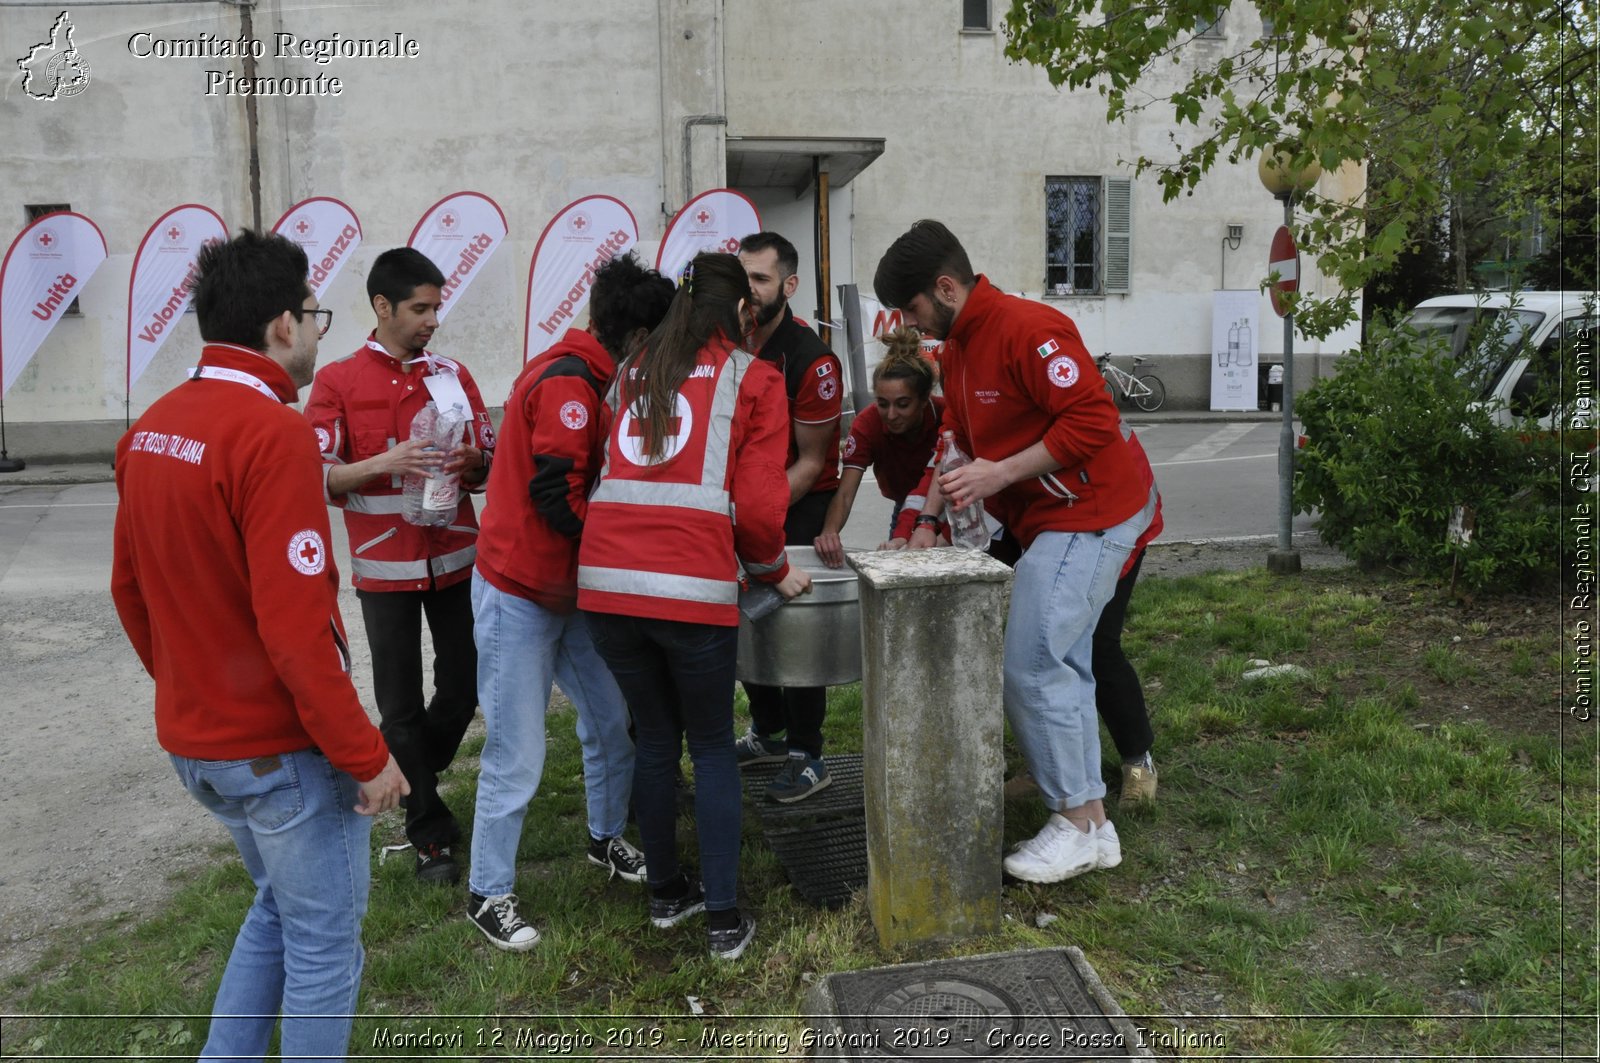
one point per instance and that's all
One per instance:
(1247, 354)
(967, 526)
(431, 501)
(1232, 357)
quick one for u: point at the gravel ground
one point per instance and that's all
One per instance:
(92, 819)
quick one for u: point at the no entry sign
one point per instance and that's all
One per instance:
(1284, 262)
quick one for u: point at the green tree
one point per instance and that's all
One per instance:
(1454, 97)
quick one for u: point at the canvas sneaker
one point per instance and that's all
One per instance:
(436, 864)
(1107, 846)
(752, 748)
(1139, 781)
(618, 856)
(670, 911)
(1058, 852)
(498, 919)
(730, 944)
(800, 777)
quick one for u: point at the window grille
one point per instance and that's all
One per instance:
(1088, 235)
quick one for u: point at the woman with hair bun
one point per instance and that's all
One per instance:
(699, 433)
(895, 437)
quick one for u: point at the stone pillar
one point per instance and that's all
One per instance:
(931, 635)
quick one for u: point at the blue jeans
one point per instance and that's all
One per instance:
(522, 647)
(299, 951)
(678, 679)
(1063, 581)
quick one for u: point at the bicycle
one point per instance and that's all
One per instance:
(1145, 390)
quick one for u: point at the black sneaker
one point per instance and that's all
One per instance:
(665, 911)
(730, 944)
(619, 857)
(436, 865)
(498, 919)
(752, 748)
(800, 777)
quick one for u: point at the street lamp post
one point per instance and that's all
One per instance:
(1285, 182)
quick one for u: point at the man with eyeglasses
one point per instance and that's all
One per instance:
(362, 408)
(222, 579)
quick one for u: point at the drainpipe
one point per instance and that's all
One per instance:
(688, 125)
(248, 32)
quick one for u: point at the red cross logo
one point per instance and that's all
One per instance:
(302, 226)
(306, 553)
(45, 239)
(636, 427)
(580, 222)
(703, 217)
(448, 221)
(679, 430)
(174, 232)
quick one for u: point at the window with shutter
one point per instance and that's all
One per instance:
(1088, 235)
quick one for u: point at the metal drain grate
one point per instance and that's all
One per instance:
(843, 796)
(1038, 1004)
(820, 842)
(825, 862)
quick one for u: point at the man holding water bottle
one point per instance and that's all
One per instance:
(1052, 461)
(362, 408)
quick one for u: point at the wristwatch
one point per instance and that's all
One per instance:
(926, 521)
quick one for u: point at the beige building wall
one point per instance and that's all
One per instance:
(535, 104)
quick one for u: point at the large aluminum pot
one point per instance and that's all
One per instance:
(813, 640)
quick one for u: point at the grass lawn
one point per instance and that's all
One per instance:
(1396, 855)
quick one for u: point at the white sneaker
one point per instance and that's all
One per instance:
(1057, 852)
(1107, 846)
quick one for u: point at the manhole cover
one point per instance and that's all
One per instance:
(1035, 1004)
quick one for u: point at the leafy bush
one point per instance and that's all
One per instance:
(1397, 439)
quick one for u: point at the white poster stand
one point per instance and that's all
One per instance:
(1235, 343)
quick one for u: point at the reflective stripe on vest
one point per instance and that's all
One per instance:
(658, 585)
(414, 570)
(761, 570)
(388, 505)
(644, 493)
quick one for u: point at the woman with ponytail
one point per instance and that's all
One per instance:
(894, 437)
(691, 491)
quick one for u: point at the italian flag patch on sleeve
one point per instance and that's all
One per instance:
(1048, 347)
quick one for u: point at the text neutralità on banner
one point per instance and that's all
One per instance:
(318, 50)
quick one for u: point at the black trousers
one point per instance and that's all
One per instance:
(1117, 694)
(1118, 697)
(423, 737)
(797, 712)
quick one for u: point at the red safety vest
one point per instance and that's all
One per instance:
(666, 539)
(360, 407)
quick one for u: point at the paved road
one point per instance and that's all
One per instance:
(1218, 481)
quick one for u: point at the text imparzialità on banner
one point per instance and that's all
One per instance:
(318, 50)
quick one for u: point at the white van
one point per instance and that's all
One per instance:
(1517, 363)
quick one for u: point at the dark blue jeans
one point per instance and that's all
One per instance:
(678, 682)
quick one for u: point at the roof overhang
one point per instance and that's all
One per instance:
(786, 162)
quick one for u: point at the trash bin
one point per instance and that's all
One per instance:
(1261, 385)
(1275, 387)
